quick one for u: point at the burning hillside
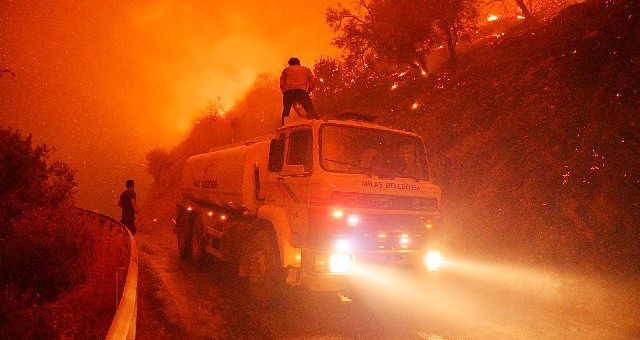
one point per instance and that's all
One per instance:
(532, 132)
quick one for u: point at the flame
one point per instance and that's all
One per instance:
(492, 17)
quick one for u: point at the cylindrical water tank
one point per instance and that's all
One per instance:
(226, 178)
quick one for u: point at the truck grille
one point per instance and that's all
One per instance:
(387, 232)
(386, 202)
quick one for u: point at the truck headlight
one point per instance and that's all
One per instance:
(433, 260)
(340, 263)
(353, 220)
(333, 263)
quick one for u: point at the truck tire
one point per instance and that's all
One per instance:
(265, 273)
(197, 240)
(183, 231)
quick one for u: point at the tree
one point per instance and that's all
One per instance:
(214, 110)
(400, 31)
(158, 162)
(26, 180)
(329, 73)
(454, 19)
(397, 31)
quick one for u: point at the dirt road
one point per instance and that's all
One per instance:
(468, 301)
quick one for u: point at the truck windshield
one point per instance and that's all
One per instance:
(358, 150)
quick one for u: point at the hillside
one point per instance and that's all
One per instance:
(533, 136)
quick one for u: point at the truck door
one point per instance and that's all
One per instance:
(299, 152)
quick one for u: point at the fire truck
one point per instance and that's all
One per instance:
(312, 205)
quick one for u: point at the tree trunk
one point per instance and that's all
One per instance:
(451, 45)
(524, 9)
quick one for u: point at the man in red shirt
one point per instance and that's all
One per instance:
(129, 207)
(296, 82)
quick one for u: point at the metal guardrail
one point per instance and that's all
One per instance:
(123, 325)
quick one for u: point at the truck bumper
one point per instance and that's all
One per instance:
(315, 272)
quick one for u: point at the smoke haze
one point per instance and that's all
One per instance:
(106, 81)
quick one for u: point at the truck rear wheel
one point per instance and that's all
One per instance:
(264, 272)
(183, 230)
(197, 240)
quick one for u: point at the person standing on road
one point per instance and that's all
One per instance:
(129, 207)
(296, 82)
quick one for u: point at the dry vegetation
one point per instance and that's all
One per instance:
(57, 266)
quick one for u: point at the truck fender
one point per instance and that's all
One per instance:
(289, 255)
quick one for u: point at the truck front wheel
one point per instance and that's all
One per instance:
(197, 240)
(183, 231)
(264, 272)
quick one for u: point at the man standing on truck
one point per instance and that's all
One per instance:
(129, 207)
(296, 82)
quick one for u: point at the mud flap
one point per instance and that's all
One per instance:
(293, 276)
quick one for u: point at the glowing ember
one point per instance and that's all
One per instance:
(424, 73)
(414, 106)
(565, 177)
(521, 17)
(492, 17)
(394, 86)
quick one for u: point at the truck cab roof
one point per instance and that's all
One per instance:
(345, 122)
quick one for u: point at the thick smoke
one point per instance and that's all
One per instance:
(106, 81)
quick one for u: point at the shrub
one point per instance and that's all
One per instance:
(42, 256)
(26, 180)
(53, 257)
(54, 261)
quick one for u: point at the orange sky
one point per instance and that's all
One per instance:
(105, 81)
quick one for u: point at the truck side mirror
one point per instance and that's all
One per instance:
(276, 155)
(293, 170)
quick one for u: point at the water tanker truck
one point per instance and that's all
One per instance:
(312, 205)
